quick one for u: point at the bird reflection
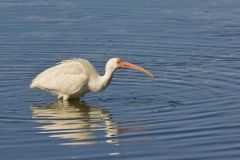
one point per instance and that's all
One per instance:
(75, 121)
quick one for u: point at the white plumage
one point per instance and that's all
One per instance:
(76, 77)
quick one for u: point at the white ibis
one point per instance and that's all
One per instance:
(76, 77)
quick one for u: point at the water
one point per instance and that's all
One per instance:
(189, 111)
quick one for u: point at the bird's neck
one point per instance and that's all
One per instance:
(106, 78)
(103, 81)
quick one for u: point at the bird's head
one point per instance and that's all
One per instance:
(116, 63)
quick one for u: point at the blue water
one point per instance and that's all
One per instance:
(189, 111)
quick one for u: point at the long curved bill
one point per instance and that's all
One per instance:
(123, 64)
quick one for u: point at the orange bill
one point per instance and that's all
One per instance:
(123, 64)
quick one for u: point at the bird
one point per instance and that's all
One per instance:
(73, 78)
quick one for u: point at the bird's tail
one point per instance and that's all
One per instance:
(32, 85)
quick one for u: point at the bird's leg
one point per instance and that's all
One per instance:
(60, 96)
(65, 97)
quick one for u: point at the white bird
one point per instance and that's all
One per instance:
(75, 77)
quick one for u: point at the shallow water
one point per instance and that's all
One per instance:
(189, 111)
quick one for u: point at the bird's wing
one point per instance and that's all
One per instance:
(66, 77)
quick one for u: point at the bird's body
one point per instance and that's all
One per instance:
(76, 77)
